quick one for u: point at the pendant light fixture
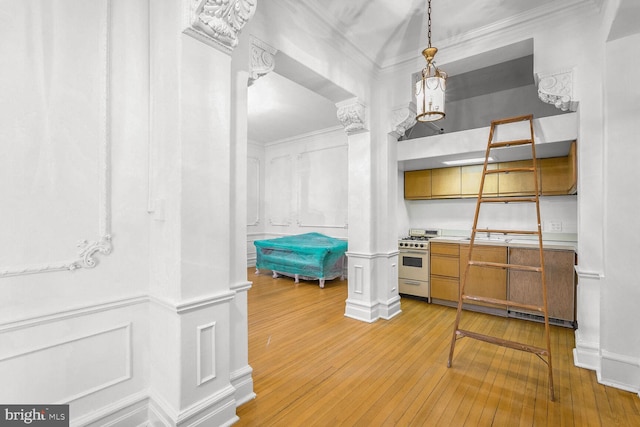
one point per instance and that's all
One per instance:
(431, 87)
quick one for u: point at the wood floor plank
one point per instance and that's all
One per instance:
(312, 366)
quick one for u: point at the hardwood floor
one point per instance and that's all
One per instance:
(315, 367)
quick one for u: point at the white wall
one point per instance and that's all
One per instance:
(620, 290)
(302, 187)
(77, 337)
(456, 215)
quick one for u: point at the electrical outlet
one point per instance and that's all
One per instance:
(554, 226)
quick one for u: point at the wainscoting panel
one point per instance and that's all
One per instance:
(323, 187)
(67, 370)
(59, 159)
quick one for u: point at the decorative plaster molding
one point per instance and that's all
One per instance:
(351, 114)
(87, 249)
(262, 61)
(557, 89)
(217, 23)
(402, 119)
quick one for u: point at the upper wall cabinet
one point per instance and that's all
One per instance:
(556, 176)
(472, 175)
(445, 183)
(417, 184)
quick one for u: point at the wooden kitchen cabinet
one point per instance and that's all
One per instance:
(470, 177)
(517, 183)
(559, 174)
(525, 286)
(417, 184)
(445, 272)
(482, 281)
(445, 183)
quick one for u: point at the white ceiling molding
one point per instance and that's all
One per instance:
(533, 18)
(557, 89)
(217, 23)
(403, 118)
(262, 59)
(350, 49)
(352, 115)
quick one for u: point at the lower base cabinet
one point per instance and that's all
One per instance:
(526, 286)
(448, 270)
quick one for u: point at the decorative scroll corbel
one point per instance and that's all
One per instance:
(557, 89)
(262, 59)
(402, 119)
(218, 22)
(88, 249)
(351, 114)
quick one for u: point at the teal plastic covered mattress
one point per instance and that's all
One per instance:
(311, 256)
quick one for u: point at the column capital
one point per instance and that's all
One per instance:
(352, 115)
(217, 22)
(557, 89)
(402, 118)
(262, 59)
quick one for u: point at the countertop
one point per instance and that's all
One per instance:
(509, 242)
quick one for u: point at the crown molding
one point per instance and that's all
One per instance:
(532, 18)
(302, 136)
(348, 48)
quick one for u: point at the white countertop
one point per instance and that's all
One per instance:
(510, 242)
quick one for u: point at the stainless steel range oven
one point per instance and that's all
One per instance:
(413, 271)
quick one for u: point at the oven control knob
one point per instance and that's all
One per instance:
(422, 245)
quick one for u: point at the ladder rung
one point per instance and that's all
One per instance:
(513, 199)
(502, 342)
(502, 302)
(489, 230)
(507, 170)
(512, 120)
(510, 143)
(502, 265)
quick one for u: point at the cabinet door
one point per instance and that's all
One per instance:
(445, 183)
(517, 183)
(556, 176)
(417, 184)
(483, 281)
(470, 181)
(526, 286)
(445, 288)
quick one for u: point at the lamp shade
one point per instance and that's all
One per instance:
(430, 98)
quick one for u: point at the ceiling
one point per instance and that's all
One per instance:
(384, 32)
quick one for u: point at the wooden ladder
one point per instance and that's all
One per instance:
(542, 353)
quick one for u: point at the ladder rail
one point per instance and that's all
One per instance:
(462, 295)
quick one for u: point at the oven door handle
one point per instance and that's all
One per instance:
(414, 252)
(411, 282)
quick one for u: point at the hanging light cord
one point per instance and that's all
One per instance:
(429, 22)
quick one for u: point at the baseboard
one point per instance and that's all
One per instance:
(130, 411)
(363, 312)
(619, 371)
(242, 381)
(586, 354)
(389, 309)
(216, 410)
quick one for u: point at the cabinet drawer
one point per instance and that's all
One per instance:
(444, 248)
(445, 266)
(445, 288)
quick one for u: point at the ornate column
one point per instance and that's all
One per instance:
(557, 89)
(192, 315)
(372, 269)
